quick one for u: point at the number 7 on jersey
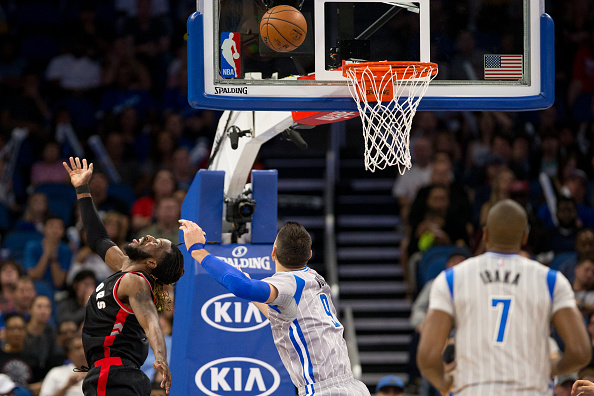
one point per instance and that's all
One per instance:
(502, 304)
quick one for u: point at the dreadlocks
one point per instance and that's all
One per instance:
(168, 271)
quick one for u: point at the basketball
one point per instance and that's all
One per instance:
(283, 28)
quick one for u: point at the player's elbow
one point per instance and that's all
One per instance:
(583, 356)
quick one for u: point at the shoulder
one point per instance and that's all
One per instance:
(133, 283)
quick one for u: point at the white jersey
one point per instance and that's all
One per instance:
(502, 306)
(308, 335)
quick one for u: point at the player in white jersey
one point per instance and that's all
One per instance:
(501, 305)
(306, 331)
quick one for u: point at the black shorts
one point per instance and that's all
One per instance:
(116, 380)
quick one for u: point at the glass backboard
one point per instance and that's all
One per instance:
(492, 55)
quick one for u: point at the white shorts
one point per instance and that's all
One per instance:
(344, 385)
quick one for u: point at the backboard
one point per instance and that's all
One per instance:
(492, 55)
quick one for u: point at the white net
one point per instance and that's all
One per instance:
(387, 118)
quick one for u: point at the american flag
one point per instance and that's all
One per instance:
(503, 67)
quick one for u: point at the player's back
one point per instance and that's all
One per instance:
(306, 332)
(502, 306)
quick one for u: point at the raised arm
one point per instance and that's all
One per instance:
(97, 237)
(230, 277)
(136, 291)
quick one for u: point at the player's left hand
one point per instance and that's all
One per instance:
(163, 368)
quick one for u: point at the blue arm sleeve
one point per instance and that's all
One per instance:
(235, 281)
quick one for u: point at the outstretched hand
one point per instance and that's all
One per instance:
(80, 174)
(192, 233)
(163, 368)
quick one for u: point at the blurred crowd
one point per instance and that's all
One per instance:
(105, 80)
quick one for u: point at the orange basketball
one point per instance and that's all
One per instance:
(283, 28)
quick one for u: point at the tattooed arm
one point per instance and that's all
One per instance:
(135, 291)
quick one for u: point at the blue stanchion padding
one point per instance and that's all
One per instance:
(265, 193)
(204, 203)
(222, 345)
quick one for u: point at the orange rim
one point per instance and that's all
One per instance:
(400, 69)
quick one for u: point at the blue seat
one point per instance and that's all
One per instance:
(15, 243)
(57, 191)
(561, 258)
(123, 192)
(432, 263)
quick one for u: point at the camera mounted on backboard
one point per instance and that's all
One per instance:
(239, 213)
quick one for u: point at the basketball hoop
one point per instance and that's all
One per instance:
(387, 95)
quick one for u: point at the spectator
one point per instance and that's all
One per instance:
(142, 211)
(182, 169)
(48, 169)
(499, 190)
(122, 155)
(583, 285)
(584, 247)
(41, 335)
(390, 385)
(573, 186)
(66, 331)
(10, 272)
(99, 186)
(73, 307)
(74, 70)
(21, 367)
(61, 380)
(36, 212)
(439, 226)
(9, 388)
(407, 185)
(166, 225)
(24, 295)
(47, 260)
(562, 238)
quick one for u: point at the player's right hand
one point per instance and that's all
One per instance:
(192, 233)
(80, 174)
(163, 368)
(582, 388)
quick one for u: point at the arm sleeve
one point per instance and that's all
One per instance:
(97, 237)
(236, 281)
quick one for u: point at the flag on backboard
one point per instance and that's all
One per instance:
(504, 67)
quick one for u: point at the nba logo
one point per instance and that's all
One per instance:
(230, 56)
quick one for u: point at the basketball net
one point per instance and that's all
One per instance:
(387, 96)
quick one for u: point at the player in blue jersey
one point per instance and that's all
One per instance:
(297, 301)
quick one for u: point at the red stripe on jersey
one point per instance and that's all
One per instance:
(118, 326)
(115, 295)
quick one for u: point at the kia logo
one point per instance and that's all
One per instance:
(228, 313)
(239, 251)
(240, 375)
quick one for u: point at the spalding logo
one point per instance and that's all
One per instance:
(237, 375)
(239, 251)
(229, 313)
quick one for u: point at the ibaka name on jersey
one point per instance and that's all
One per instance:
(100, 294)
(499, 276)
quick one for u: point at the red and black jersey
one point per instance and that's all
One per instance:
(110, 328)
